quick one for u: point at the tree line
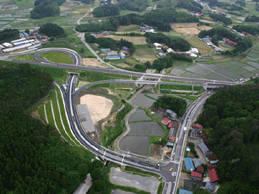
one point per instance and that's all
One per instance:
(190, 5)
(220, 18)
(178, 105)
(134, 5)
(252, 18)
(251, 29)
(46, 8)
(175, 43)
(159, 19)
(234, 108)
(106, 10)
(52, 30)
(110, 43)
(9, 34)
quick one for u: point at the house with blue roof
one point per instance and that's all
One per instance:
(196, 162)
(188, 164)
(182, 191)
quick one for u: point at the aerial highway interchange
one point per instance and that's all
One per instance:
(69, 94)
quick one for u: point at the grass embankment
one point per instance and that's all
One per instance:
(28, 57)
(57, 57)
(65, 132)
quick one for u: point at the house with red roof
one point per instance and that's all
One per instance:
(214, 176)
(210, 166)
(196, 176)
(230, 42)
(166, 121)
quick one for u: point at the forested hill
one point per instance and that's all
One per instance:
(231, 119)
(33, 158)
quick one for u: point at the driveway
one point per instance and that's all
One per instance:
(149, 184)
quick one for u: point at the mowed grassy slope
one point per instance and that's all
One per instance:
(57, 57)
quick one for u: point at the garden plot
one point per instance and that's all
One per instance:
(256, 65)
(139, 115)
(209, 66)
(223, 65)
(216, 76)
(135, 144)
(198, 70)
(249, 68)
(237, 63)
(177, 72)
(252, 55)
(186, 74)
(193, 75)
(134, 39)
(239, 71)
(228, 74)
(143, 101)
(145, 129)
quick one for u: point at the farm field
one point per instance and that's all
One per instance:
(142, 100)
(57, 57)
(129, 28)
(187, 31)
(184, 25)
(195, 42)
(93, 62)
(137, 40)
(139, 115)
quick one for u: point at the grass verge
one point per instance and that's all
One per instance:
(57, 57)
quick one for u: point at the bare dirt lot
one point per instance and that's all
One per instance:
(156, 151)
(99, 107)
(134, 39)
(187, 31)
(92, 62)
(204, 27)
(184, 25)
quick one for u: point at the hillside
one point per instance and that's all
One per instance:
(231, 119)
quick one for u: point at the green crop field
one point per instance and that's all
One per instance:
(57, 57)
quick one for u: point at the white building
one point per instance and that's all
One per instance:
(169, 50)
(158, 45)
(7, 45)
(195, 50)
(16, 48)
(193, 55)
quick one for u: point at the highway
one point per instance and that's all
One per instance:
(69, 94)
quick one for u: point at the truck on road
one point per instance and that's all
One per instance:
(184, 129)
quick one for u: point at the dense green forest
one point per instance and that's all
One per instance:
(218, 34)
(234, 108)
(45, 8)
(252, 18)
(59, 2)
(52, 30)
(162, 63)
(175, 43)
(110, 43)
(190, 5)
(251, 29)
(134, 5)
(9, 34)
(159, 18)
(177, 105)
(106, 10)
(220, 18)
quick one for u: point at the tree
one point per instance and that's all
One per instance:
(27, 31)
(201, 191)
(52, 30)
(106, 10)
(45, 9)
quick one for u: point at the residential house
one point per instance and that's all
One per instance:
(165, 121)
(171, 114)
(210, 187)
(105, 33)
(158, 46)
(200, 169)
(214, 177)
(182, 191)
(195, 176)
(169, 50)
(204, 149)
(218, 49)
(195, 50)
(197, 126)
(162, 54)
(188, 164)
(172, 132)
(173, 125)
(161, 110)
(154, 109)
(194, 133)
(210, 167)
(171, 138)
(204, 138)
(196, 162)
(230, 42)
(212, 159)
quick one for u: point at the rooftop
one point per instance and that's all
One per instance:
(203, 148)
(188, 163)
(196, 174)
(182, 191)
(200, 169)
(214, 175)
(165, 121)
